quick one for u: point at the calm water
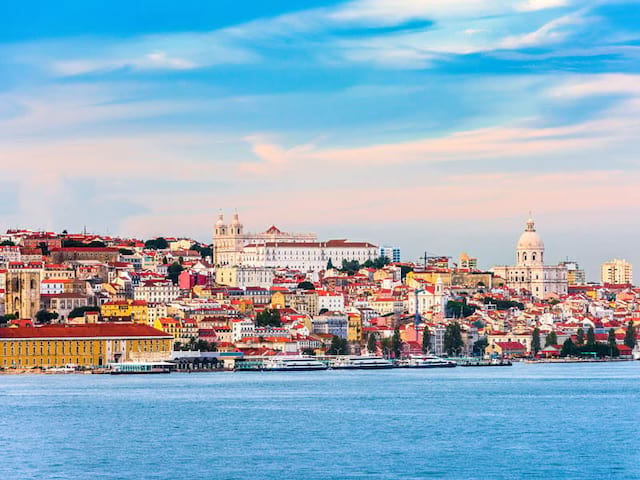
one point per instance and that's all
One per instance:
(527, 421)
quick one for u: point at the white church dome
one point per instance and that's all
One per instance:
(530, 240)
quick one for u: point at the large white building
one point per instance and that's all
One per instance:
(530, 273)
(429, 300)
(277, 249)
(229, 240)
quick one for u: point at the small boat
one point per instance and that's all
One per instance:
(292, 364)
(361, 363)
(427, 361)
(134, 368)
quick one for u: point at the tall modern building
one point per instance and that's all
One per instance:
(575, 275)
(530, 273)
(617, 272)
(392, 253)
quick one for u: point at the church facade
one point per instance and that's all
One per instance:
(530, 273)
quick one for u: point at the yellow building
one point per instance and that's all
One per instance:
(354, 330)
(83, 345)
(136, 311)
(171, 326)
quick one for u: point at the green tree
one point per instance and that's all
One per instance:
(580, 336)
(385, 345)
(630, 336)
(372, 343)
(96, 244)
(45, 317)
(453, 339)
(396, 343)
(611, 339)
(173, 272)
(7, 243)
(480, 346)
(330, 265)
(591, 336)
(552, 339)
(350, 267)
(426, 339)
(568, 349)
(126, 251)
(339, 346)
(177, 346)
(535, 341)
(308, 351)
(457, 309)
(80, 311)
(306, 286)
(268, 317)
(156, 244)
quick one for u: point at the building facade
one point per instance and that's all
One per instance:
(616, 272)
(90, 345)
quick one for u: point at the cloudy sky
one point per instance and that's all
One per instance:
(427, 124)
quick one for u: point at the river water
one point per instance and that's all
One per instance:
(527, 421)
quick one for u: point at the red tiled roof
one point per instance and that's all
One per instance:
(84, 331)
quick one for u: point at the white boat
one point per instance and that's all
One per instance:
(290, 364)
(138, 368)
(427, 361)
(361, 363)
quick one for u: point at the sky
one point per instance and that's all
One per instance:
(433, 126)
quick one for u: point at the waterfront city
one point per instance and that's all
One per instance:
(85, 302)
(319, 240)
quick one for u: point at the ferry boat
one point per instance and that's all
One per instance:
(133, 368)
(427, 361)
(361, 363)
(289, 364)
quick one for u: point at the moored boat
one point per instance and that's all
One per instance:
(427, 361)
(137, 368)
(361, 363)
(292, 364)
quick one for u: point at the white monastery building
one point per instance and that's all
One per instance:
(530, 273)
(276, 249)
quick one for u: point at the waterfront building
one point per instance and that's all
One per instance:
(616, 272)
(530, 272)
(83, 345)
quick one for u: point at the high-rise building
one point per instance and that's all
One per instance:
(575, 275)
(616, 272)
(468, 262)
(392, 253)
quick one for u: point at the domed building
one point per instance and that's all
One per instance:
(530, 273)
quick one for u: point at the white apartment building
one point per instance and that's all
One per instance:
(156, 291)
(330, 301)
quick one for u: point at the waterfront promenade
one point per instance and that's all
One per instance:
(527, 421)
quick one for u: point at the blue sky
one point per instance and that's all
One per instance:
(431, 125)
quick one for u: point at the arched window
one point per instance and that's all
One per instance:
(533, 257)
(524, 256)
